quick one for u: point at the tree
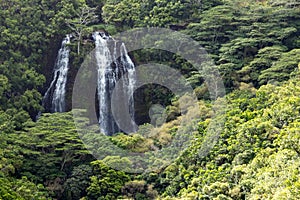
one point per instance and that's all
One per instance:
(78, 182)
(50, 147)
(282, 69)
(21, 189)
(273, 175)
(264, 59)
(139, 190)
(106, 183)
(84, 16)
(215, 27)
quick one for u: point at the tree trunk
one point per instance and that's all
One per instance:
(78, 47)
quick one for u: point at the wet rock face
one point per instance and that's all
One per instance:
(49, 60)
(54, 97)
(115, 74)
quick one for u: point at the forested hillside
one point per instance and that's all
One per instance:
(255, 45)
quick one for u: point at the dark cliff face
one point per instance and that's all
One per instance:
(49, 60)
(48, 63)
(74, 65)
(73, 69)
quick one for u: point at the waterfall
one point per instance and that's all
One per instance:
(110, 69)
(55, 94)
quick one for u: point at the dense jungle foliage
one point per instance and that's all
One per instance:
(255, 45)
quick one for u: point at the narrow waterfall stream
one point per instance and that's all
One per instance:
(56, 92)
(110, 70)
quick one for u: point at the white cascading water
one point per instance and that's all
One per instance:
(110, 70)
(58, 84)
(131, 78)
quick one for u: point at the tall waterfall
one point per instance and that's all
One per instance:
(56, 92)
(110, 69)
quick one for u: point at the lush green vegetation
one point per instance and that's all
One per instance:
(256, 47)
